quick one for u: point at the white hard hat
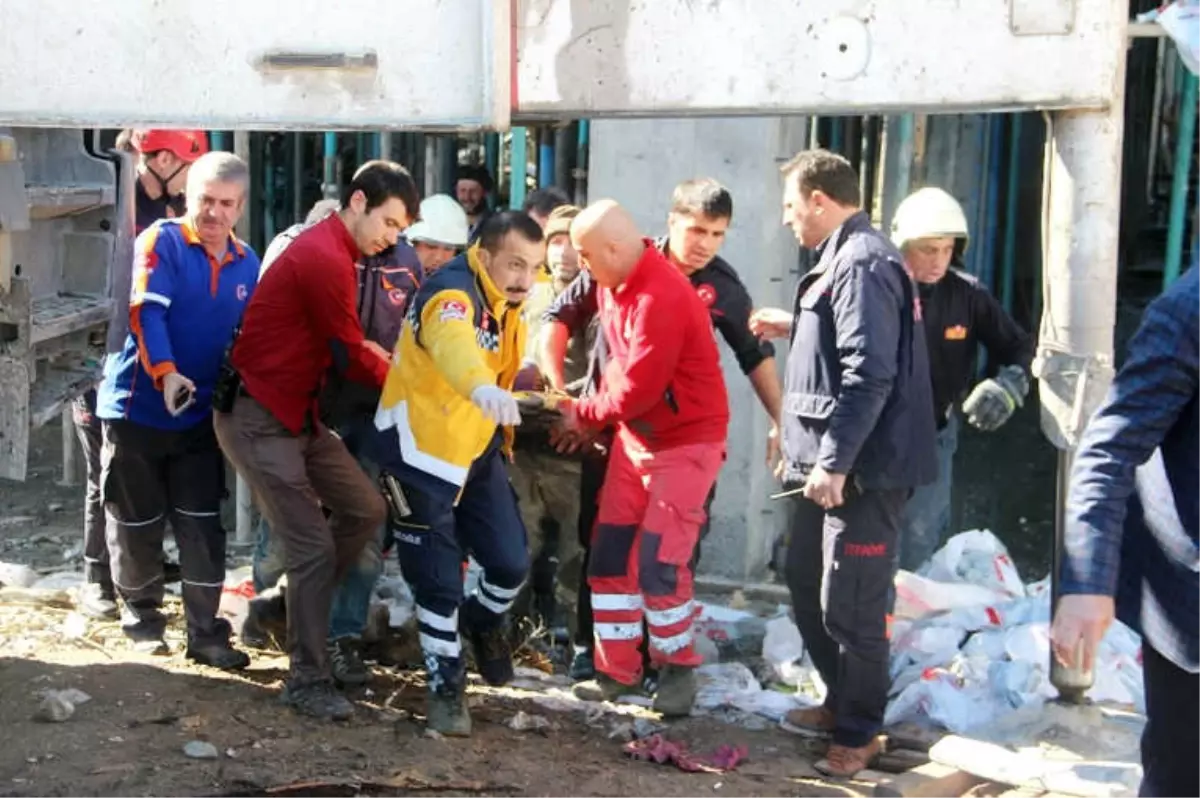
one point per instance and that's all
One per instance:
(929, 213)
(443, 221)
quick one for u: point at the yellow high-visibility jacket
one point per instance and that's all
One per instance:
(460, 333)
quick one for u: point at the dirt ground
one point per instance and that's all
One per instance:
(128, 739)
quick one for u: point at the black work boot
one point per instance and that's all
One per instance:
(346, 662)
(446, 699)
(266, 620)
(583, 665)
(493, 654)
(318, 699)
(218, 655)
(676, 691)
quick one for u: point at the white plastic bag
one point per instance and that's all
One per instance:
(976, 557)
(919, 596)
(783, 649)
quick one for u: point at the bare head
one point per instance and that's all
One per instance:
(700, 214)
(511, 251)
(820, 191)
(608, 241)
(216, 195)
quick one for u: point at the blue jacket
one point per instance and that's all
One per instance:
(182, 310)
(1133, 510)
(857, 395)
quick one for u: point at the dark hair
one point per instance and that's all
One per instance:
(702, 197)
(379, 181)
(545, 200)
(827, 172)
(477, 173)
(499, 225)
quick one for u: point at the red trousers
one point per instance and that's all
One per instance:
(651, 509)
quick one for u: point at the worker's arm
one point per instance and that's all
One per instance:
(551, 353)
(332, 311)
(448, 335)
(867, 303)
(1156, 384)
(1007, 344)
(150, 303)
(765, 381)
(655, 343)
(755, 356)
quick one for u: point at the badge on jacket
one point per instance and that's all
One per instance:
(452, 310)
(956, 333)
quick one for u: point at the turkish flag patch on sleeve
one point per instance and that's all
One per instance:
(452, 310)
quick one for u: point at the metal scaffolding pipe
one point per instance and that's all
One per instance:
(545, 173)
(329, 186)
(68, 449)
(520, 163)
(1074, 362)
(1185, 145)
(1011, 196)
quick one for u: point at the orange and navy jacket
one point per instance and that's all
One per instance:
(183, 308)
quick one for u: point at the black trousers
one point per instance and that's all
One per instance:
(1172, 734)
(149, 476)
(840, 567)
(91, 439)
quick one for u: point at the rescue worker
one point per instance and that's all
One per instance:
(664, 391)
(701, 211)
(160, 152)
(471, 188)
(541, 203)
(440, 234)
(191, 280)
(857, 437)
(270, 429)
(930, 231)
(445, 428)
(547, 484)
(386, 284)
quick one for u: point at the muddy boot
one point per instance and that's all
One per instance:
(844, 762)
(809, 722)
(346, 662)
(317, 700)
(219, 655)
(583, 665)
(493, 654)
(676, 691)
(447, 696)
(99, 602)
(605, 688)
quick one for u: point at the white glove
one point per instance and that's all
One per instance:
(497, 404)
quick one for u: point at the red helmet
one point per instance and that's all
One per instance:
(186, 145)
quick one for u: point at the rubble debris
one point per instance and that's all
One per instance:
(74, 625)
(523, 721)
(54, 708)
(657, 748)
(198, 749)
(17, 575)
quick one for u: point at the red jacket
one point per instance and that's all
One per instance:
(302, 312)
(663, 380)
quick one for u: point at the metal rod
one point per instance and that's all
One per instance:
(1011, 195)
(68, 449)
(385, 145)
(329, 187)
(582, 145)
(217, 138)
(520, 163)
(1155, 118)
(563, 151)
(1185, 142)
(297, 177)
(491, 155)
(545, 173)
(431, 164)
(1072, 683)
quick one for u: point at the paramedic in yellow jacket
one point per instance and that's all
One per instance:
(445, 432)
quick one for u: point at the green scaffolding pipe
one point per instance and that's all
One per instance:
(519, 164)
(1185, 143)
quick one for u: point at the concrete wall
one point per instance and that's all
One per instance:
(638, 163)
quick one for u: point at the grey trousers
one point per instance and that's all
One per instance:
(147, 477)
(292, 477)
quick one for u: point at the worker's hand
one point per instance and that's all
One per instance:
(1079, 626)
(529, 378)
(825, 489)
(771, 323)
(178, 392)
(774, 461)
(993, 401)
(497, 404)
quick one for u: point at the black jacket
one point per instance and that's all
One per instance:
(857, 397)
(960, 314)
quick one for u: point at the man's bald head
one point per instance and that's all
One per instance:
(608, 240)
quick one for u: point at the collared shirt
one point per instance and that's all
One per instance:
(1133, 507)
(304, 319)
(183, 308)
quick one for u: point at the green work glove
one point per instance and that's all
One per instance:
(992, 402)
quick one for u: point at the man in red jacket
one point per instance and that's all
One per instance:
(663, 389)
(301, 320)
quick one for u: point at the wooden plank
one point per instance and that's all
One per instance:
(927, 781)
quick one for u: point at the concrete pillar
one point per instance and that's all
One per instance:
(639, 163)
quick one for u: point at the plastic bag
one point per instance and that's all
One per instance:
(919, 596)
(783, 649)
(976, 557)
